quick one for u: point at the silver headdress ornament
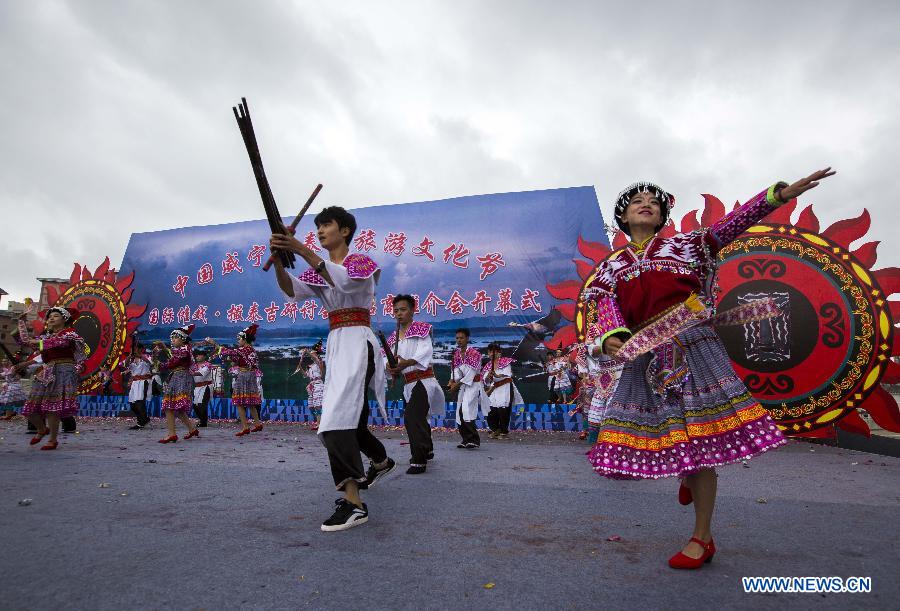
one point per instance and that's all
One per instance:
(666, 199)
(64, 312)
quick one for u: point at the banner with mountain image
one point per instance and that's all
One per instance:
(480, 262)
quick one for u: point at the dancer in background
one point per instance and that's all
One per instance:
(245, 393)
(679, 410)
(137, 368)
(54, 391)
(604, 372)
(12, 395)
(465, 380)
(558, 379)
(501, 391)
(422, 394)
(313, 368)
(585, 388)
(203, 379)
(178, 391)
(345, 285)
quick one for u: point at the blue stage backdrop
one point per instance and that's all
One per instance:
(480, 262)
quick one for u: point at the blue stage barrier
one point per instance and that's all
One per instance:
(531, 416)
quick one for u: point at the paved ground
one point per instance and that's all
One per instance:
(219, 523)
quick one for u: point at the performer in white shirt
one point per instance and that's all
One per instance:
(501, 391)
(203, 379)
(137, 368)
(466, 379)
(558, 381)
(344, 284)
(422, 394)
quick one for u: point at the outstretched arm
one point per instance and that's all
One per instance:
(736, 222)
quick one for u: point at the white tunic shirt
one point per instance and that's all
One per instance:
(139, 390)
(347, 348)
(417, 345)
(471, 392)
(203, 379)
(500, 396)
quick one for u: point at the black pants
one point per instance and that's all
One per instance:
(467, 429)
(554, 396)
(68, 424)
(415, 418)
(344, 446)
(201, 410)
(498, 419)
(140, 410)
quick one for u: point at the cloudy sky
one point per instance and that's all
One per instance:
(116, 115)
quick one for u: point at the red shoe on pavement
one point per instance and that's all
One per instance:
(242, 433)
(680, 561)
(50, 445)
(256, 428)
(169, 439)
(194, 433)
(37, 438)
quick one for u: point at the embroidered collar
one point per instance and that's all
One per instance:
(358, 265)
(416, 329)
(502, 362)
(472, 358)
(639, 247)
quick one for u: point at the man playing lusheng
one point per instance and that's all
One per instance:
(345, 285)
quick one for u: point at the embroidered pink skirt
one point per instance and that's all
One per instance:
(54, 391)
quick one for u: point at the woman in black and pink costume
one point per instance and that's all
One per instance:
(54, 391)
(679, 409)
(245, 394)
(178, 392)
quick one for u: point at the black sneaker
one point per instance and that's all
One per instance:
(430, 456)
(346, 515)
(415, 469)
(136, 427)
(374, 474)
(472, 446)
(461, 446)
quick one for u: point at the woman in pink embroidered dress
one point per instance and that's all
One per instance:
(679, 410)
(54, 391)
(245, 391)
(178, 392)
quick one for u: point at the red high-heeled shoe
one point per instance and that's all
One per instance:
(680, 561)
(256, 428)
(40, 435)
(685, 496)
(50, 445)
(242, 433)
(169, 439)
(194, 433)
